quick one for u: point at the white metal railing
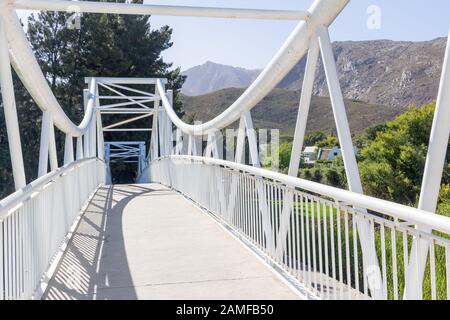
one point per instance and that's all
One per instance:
(322, 249)
(35, 220)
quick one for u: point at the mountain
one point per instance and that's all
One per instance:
(279, 110)
(212, 76)
(382, 72)
(394, 73)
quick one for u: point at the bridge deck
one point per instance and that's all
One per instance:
(148, 242)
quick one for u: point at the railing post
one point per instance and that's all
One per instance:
(179, 142)
(240, 143)
(169, 135)
(93, 126)
(80, 148)
(162, 123)
(52, 148)
(100, 139)
(44, 143)
(10, 110)
(154, 142)
(86, 136)
(431, 183)
(68, 149)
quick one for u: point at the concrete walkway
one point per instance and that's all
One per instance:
(148, 242)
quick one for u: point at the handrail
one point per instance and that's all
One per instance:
(410, 214)
(164, 10)
(20, 195)
(322, 13)
(29, 72)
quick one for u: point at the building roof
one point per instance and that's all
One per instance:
(323, 155)
(311, 149)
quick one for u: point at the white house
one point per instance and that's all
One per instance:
(310, 154)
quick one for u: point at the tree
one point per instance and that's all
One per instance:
(313, 137)
(392, 164)
(328, 142)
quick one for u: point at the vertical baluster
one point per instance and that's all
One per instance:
(347, 255)
(320, 252)
(290, 234)
(272, 215)
(432, 270)
(313, 239)
(339, 241)
(2, 259)
(327, 263)
(355, 253)
(405, 255)
(308, 240)
(447, 269)
(383, 259)
(394, 262)
(297, 234)
(302, 215)
(418, 275)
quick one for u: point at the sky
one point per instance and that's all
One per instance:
(252, 43)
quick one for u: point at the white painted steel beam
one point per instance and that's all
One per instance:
(126, 111)
(323, 13)
(115, 80)
(30, 73)
(303, 110)
(299, 134)
(127, 130)
(44, 143)
(68, 150)
(10, 110)
(162, 10)
(80, 148)
(117, 124)
(371, 265)
(432, 177)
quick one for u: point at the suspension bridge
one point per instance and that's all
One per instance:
(193, 225)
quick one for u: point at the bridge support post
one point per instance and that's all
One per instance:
(10, 110)
(44, 143)
(100, 139)
(366, 235)
(99, 125)
(52, 149)
(154, 139)
(300, 128)
(86, 136)
(93, 127)
(431, 183)
(169, 135)
(179, 142)
(79, 148)
(68, 149)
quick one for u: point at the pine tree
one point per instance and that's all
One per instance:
(105, 45)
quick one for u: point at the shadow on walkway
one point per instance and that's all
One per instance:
(95, 258)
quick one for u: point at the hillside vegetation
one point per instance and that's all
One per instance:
(279, 110)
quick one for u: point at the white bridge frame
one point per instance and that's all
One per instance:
(310, 37)
(126, 152)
